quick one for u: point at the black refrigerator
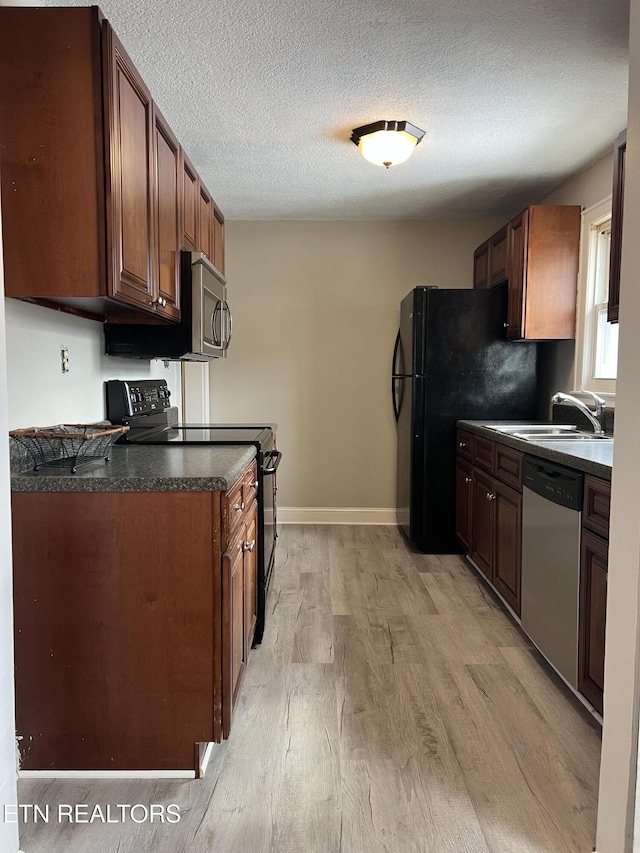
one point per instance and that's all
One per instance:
(451, 360)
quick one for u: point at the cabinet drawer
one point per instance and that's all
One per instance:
(484, 452)
(233, 506)
(508, 466)
(250, 484)
(595, 512)
(464, 444)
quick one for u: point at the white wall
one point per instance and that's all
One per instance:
(619, 736)
(39, 394)
(8, 795)
(316, 309)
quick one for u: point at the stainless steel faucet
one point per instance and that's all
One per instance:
(561, 397)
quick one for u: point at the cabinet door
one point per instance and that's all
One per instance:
(498, 258)
(517, 238)
(218, 240)
(190, 205)
(482, 522)
(464, 492)
(592, 618)
(619, 164)
(507, 562)
(481, 266)
(233, 646)
(130, 228)
(205, 222)
(251, 575)
(167, 207)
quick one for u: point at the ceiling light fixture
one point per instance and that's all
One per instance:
(387, 143)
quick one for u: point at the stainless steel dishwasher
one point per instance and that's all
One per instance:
(551, 513)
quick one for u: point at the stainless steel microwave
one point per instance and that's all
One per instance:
(204, 331)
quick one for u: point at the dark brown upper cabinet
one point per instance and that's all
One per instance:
(205, 222)
(168, 214)
(481, 266)
(97, 200)
(617, 205)
(218, 239)
(544, 243)
(498, 258)
(190, 204)
(130, 192)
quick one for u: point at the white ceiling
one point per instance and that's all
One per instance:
(514, 95)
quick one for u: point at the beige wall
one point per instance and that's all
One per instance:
(556, 360)
(316, 308)
(619, 736)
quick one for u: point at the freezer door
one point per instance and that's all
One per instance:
(410, 474)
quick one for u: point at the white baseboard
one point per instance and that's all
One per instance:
(336, 515)
(107, 774)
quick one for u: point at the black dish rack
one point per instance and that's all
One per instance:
(68, 445)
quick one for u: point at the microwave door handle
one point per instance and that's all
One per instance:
(214, 336)
(227, 310)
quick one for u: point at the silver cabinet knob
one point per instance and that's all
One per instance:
(468, 479)
(462, 444)
(239, 507)
(255, 484)
(490, 496)
(505, 325)
(249, 546)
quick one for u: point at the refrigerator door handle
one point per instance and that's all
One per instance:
(396, 410)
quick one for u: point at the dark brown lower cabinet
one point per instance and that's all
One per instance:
(507, 563)
(483, 522)
(132, 629)
(464, 492)
(489, 515)
(593, 608)
(239, 606)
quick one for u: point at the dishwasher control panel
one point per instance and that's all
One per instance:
(562, 486)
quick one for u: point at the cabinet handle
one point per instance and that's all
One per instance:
(490, 496)
(462, 444)
(467, 479)
(505, 325)
(249, 546)
(239, 507)
(254, 484)
(158, 302)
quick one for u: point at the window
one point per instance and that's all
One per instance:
(597, 340)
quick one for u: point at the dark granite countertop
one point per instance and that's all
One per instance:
(146, 468)
(590, 457)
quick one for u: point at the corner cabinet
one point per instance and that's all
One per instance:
(152, 593)
(95, 187)
(617, 207)
(537, 255)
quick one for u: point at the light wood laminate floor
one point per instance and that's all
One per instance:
(393, 706)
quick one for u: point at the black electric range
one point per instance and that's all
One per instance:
(145, 407)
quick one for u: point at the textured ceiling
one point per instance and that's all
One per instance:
(514, 95)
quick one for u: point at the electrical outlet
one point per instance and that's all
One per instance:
(64, 359)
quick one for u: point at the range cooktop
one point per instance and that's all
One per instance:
(204, 434)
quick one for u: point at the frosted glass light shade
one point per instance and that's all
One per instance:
(387, 143)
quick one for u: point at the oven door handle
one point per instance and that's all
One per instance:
(274, 457)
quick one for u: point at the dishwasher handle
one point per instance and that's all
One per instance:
(560, 485)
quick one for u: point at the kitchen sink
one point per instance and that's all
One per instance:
(564, 436)
(550, 432)
(537, 429)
